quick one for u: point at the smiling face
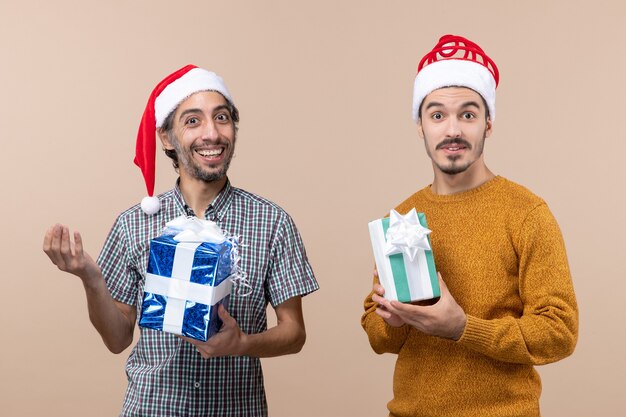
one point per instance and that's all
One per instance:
(203, 136)
(454, 125)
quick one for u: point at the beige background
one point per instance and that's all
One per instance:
(324, 90)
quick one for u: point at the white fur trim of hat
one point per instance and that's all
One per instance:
(197, 79)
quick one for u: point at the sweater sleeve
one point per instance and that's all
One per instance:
(382, 337)
(547, 330)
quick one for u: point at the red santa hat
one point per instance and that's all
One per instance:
(456, 62)
(165, 98)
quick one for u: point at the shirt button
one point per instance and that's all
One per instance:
(196, 385)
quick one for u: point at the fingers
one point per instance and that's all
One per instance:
(52, 244)
(380, 300)
(391, 319)
(47, 243)
(382, 312)
(58, 245)
(78, 244)
(399, 308)
(378, 289)
(66, 249)
(47, 239)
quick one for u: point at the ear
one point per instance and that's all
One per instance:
(488, 128)
(165, 140)
(420, 130)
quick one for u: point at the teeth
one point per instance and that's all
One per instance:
(209, 152)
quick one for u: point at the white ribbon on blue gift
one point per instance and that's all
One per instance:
(190, 233)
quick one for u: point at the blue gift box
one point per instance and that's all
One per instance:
(185, 282)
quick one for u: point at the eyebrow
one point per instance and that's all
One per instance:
(196, 110)
(464, 105)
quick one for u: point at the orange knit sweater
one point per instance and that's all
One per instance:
(502, 256)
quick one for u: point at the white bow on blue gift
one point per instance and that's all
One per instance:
(193, 229)
(406, 235)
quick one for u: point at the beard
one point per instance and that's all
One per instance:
(453, 167)
(187, 163)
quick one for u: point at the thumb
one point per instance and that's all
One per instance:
(223, 314)
(442, 284)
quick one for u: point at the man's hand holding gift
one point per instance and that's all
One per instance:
(445, 318)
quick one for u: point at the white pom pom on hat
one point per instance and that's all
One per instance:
(150, 204)
(456, 62)
(164, 99)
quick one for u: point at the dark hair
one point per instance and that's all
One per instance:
(419, 113)
(168, 125)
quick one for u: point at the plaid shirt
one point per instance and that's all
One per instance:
(167, 376)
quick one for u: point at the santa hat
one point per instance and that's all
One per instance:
(456, 62)
(165, 98)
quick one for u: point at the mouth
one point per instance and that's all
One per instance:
(454, 146)
(210, 154)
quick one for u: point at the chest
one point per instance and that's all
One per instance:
(476, 254)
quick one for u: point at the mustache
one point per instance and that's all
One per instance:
(454, 141)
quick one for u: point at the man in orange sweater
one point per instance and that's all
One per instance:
(507, 301)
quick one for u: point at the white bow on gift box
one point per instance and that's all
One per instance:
(406, 235)
(193, 229)
(190, 229)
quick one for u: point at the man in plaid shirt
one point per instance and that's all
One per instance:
(194, 116)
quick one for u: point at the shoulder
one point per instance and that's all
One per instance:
(516, 196)
(257, 203)
(262, 214)
(527, 215)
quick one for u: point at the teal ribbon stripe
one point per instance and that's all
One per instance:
(430, 260)
(396, 262)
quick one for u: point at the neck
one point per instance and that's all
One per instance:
(199, 194)
(473, 177)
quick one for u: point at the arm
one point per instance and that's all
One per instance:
(547, 330)
(288, 336)
(114, 321)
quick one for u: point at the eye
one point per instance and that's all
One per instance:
(192, 121)
(222, 117)
(468, 115)
(436, 116)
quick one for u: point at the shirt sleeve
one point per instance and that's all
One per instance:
(383, 338)
(289, 274)
(114, 261)
(547, 330)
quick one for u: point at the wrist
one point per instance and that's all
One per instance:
(92, 282)
(460, 328)
(244, 344)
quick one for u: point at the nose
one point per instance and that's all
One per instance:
(210, 131)
(453, 129)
